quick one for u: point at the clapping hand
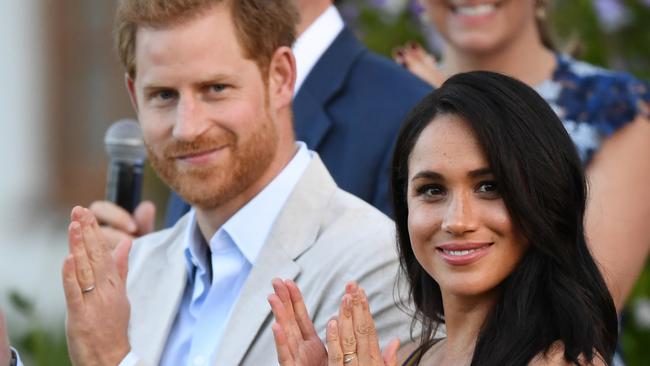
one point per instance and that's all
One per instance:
(351, 337)
(296, 340)
(95, 290)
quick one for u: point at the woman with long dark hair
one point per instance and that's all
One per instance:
(489, 198)
(606, 113)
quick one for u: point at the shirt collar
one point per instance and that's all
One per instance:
(314, 41)
(195, 247)
(249, 227)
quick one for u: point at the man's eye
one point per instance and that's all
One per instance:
(164, 94)
(217, 88)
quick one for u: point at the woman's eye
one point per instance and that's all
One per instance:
(488, 188)
(430, 190)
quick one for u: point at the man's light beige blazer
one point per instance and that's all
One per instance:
(322, 238)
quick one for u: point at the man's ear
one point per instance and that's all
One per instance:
(130, 87)
(282, 77)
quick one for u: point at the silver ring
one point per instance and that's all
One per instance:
(349, 357)
(88, 289)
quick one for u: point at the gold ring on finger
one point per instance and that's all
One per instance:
(349, 357)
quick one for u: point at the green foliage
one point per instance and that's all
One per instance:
(38, 346)
(635, 338)
(625, 48)
(381, 33)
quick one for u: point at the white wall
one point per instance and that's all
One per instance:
(32, 241)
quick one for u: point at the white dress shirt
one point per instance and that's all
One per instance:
(214, 282)
(18, 361)
(314, 41)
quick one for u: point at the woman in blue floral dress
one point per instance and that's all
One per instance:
(606, 113)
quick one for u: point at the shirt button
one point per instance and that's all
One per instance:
(199, 360)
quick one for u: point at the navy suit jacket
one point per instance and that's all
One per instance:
(349, 110)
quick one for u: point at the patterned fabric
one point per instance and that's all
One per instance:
(593, 102)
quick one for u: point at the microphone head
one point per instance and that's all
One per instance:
(124, 142)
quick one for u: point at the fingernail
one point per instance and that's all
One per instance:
(332, 324)
(76, 213)
(347, 306)
(351, 287)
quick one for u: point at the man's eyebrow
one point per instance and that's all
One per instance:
(215, 79)
(212, 79)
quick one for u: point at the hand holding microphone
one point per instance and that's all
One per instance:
(122, 215)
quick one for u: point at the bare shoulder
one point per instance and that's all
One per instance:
(555, 357)
(405, 351)
(431, 355)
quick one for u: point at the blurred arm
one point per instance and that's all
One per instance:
(618, 208)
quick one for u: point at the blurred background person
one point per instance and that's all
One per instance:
(606, 113)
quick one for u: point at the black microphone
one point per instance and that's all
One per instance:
(125, 148)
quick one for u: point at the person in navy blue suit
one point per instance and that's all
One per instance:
(348, 107)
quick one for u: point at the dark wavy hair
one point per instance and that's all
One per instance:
(556, 292)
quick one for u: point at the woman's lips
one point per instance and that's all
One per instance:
(460, 254)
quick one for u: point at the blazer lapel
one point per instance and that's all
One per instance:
(295, 231)
(157, 292)
(325, 80)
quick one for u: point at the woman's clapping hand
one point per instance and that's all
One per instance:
(351, 336)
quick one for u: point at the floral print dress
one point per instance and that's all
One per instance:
(593, 102)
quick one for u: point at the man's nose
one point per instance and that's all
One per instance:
(191, 119)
